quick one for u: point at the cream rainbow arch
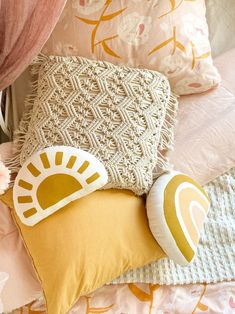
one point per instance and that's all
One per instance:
(177, 207)
(52, 178)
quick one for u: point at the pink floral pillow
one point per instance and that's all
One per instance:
(170, 36)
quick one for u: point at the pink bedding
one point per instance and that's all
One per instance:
(150, 299)
(205, 135)
(205, 148)
(15, 262)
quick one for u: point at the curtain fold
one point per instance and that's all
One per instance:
(25, 26)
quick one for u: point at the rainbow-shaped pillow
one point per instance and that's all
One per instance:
(177, 207)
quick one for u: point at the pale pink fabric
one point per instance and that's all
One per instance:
(226, 65)
(120, 299)
(217, 298)
(167, 36)
(24, 28)
(205, 133)
(6, 150)
(21, 286)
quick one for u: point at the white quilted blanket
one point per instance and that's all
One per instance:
(215, 260)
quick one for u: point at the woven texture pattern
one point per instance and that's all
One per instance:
(120, 115)
(215, 257)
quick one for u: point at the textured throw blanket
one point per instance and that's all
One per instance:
(215, 258)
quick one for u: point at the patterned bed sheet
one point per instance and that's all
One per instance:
(151, 299)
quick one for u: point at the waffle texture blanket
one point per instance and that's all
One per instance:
(215, 258)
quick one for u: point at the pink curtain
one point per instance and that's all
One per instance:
(25, 25)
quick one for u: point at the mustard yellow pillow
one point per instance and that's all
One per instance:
(87, 244)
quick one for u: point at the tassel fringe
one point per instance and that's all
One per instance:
(167, 137)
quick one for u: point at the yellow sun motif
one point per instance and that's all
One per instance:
(52, 178)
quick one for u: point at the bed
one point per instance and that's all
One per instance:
(132, 297)
(20, 290)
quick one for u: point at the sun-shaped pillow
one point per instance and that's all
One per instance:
(177, 207)
(54, 177)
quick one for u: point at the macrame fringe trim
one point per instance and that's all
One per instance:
(166, 140)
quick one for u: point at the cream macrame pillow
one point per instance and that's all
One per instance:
(121, 115)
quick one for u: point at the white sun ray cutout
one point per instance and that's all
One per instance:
(52, 178)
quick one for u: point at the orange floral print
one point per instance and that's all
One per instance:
(176, 44)
(143, 296)
(174, 6)
(199, 305)
(96, 23)
(194, 57)
(96, 310)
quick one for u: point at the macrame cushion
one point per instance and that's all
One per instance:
(120, 115)
(177, 207)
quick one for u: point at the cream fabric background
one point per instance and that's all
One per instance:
(221, 20)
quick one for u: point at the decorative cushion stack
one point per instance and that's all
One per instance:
(121, 116)
(112, 118)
